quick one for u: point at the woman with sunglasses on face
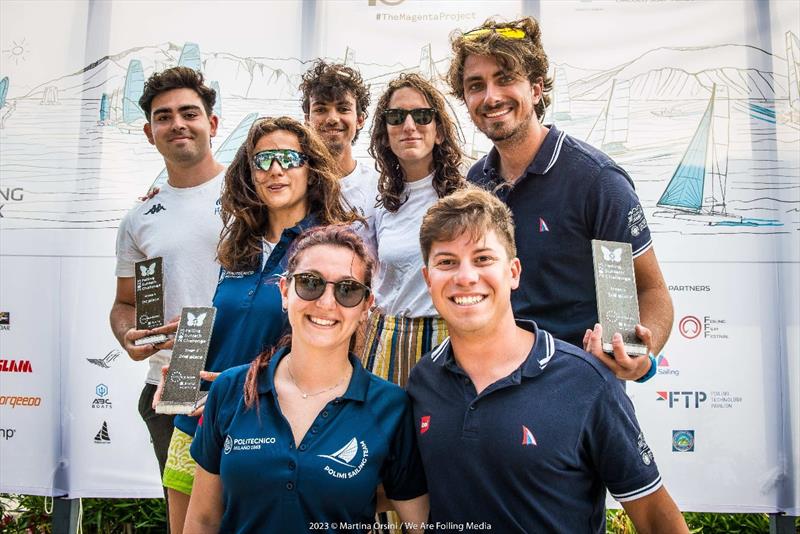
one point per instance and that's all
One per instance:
(298, 440)
(416, 149)
(281, 181)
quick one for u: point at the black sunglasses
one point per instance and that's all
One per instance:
(286, 158)
(348, 293)
(421, 116)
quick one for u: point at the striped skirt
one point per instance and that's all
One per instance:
(394, 344)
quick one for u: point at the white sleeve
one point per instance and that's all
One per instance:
(128, 251)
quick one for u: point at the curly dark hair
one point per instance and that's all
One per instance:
(245, 218)
(446, 155)
(176, 78)
(524, 56)
(330, 82)
(336, 235)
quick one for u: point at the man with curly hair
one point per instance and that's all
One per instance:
(335, 102)
(180, 124)
(563, 193)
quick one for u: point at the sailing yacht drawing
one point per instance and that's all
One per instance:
(561, 99)
(610, 130)
(697, 190)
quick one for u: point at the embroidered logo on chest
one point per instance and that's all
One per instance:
(348, 461)
(155, 209)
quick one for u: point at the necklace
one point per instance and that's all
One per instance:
(303, 393)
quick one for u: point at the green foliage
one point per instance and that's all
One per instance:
(26, 514)
(618, 522)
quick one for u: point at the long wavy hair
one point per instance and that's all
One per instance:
(337, 235)
(446, 155)
(245, 217)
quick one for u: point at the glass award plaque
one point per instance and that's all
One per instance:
(149, 291)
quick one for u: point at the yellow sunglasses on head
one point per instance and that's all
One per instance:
(508, 33)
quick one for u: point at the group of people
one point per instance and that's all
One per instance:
(389, 334)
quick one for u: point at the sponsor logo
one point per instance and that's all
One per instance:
(714, 328)
(664, 367)
(424, 423)
(5, 321)
(527, 437)
(690, 327)
(148, 270)
(105, 361)
(690, 289)
(636, 221)
(102, 436)
(683, 441)
(543, 226)
(644, 449)
(218, 207)
(20, 400)
(353, 456)
(196, 320)
(7, 433)
(101, 401)
(245, 444)
(689, 399)
(10, 194)
(155, 209)
(614, 255)
(15, 366)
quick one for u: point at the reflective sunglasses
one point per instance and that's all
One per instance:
(348, 293)
(286, 158)
(421, 116)
(508, 33)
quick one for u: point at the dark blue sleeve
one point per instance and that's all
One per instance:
(614, 210)
(208, 442)
(403, 477)
(617, 447)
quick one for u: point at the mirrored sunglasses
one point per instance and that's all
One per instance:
(348, 293)
(421, 116)
(286, 158)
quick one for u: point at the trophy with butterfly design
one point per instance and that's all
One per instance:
(149, 291)
(182, 393)
(617, 300)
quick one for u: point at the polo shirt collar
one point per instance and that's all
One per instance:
(356, 390)
(542, 351)
(542, 162)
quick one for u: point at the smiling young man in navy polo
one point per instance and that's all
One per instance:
(563, 192)
(518, 431)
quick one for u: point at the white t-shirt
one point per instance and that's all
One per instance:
(182, 225)
(360, 190)
(399, 286)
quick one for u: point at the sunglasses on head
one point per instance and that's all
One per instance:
(508, 33)
(286, 158)
(421, 116)
(348, 293)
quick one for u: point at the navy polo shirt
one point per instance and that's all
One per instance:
(358, 440)
(250, 317)
(533, 452)
(570, 194)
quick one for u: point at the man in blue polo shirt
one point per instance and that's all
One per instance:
(518, 431)
(563, 192)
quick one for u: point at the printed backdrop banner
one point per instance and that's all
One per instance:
(705, 117)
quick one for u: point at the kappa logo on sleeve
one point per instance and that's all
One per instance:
(424, 423)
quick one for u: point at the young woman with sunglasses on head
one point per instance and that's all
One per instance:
(416, 149)
(281, 181)
(298, 440)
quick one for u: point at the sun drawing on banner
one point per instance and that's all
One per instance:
(16, 52)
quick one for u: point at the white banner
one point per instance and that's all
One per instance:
(674, 96)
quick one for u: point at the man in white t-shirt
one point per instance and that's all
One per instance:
(335, 102)
(181, 224)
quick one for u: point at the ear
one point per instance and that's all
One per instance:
(360, 121)
(214, 120)
(537, 89)
(439, 135)
(368, 303)
(426, 276)
(148, 132)
(283, 285)
(516, 270)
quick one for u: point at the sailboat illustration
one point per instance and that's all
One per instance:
(610, 130)
(344, 455)
(561, 98)
(227, 149)
(697, 190)
(190, 56)
(350, 57)
(793, 66)
(132, 114)
(218, 102)
(102, 434)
